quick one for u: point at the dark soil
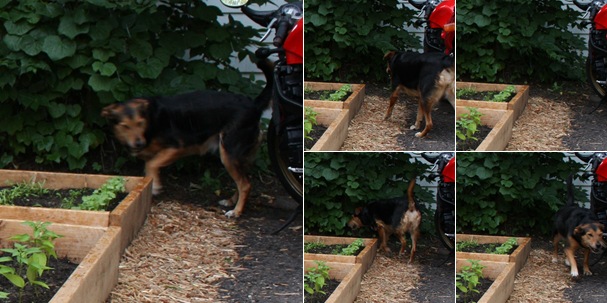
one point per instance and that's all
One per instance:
(54, 278)
(484, 96)
(329, 288)
(468, 145)
(323, 95)
(332, 250)
(316, 133)
(486, 248)
(442, 135)
(589, 289)
(482, 287)
(588, 131)
(54, 198)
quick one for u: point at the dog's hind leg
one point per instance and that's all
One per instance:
(393, 99)
(414, 237)
(555, 242)
(243, 185)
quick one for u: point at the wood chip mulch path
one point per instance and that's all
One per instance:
(389, 279)
(542, 126)
(180, 255)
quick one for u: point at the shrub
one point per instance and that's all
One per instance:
(517, 40)
(499, 193)
(346, 40)
(62, 61)
(336, 183)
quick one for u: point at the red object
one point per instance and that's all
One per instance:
(600, 19)
(442, 14)
(449, 171)
(601, 171)
(293, 45)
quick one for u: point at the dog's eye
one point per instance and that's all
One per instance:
(125, 126)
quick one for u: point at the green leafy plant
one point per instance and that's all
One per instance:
(468, 278)
(21, 190)
(310, 246)
(342, 92)
(62, 61)
(309, 121)
(31, 252)
(467, 124)
(315, 278)
(101, 197)
(68, 201)
(463, 93)
(465, 245)
(519, 41)
(352, 248)
(506, 246)
(351, 36)
(505, 94)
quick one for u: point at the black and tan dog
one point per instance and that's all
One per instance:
(161, 130)
(580, 229)
(393, 216)
(427, 76)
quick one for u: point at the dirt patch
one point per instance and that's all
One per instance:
(428, 279)
(369, 131)
(588, 131)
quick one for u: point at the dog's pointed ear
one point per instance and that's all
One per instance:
(601, 226)
(389, 55)
(110, 112)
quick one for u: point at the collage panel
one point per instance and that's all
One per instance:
(399, 206)
(530, 85)
(380, 79)
(532, 226)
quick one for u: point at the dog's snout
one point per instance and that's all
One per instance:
(139, 143)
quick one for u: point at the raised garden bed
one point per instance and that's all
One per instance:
(350, 276)
(502, 274)
(353, 103)
(518, 256)
(130, 214)
(95, 249)
(501, 122)
(516, 104)
(365, 257)
(337, 122)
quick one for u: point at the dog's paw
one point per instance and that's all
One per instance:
(574, 273)
(226, 203)
(567, 262)
(156, 190)
(555, 260)
(232, 214)
(413, 127)
(587, 273)
(418, 134)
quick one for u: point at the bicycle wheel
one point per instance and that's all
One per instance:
(291, 181)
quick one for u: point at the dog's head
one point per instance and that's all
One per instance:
(591, 235)
(129, 121)
(361, 218)
(388, 57)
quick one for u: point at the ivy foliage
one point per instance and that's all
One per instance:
(517, 40)
(346, 40)
(62, 61)
(337, 183)
(511, 193)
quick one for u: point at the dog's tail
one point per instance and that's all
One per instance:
(263, 100)
(570, 198)
(410, 195)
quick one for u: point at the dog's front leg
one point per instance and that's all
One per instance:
(587, 271)
(152, 167)
(393, 99)
(570, 255)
